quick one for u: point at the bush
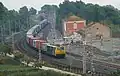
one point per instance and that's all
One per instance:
(2, 61)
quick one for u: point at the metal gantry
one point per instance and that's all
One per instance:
(92, 56)
(84, 61)
(71, 56)
(88, 53)
(52, 20)
(54, 35)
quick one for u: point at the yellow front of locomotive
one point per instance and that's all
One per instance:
(60, 52)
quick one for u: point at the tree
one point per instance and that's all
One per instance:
(2, 60)
(13, 20)
(27, 59)
(3, 19)
(19, 56)
(5, 49)
(32, 11)
(24, 16)
(90, 12)
(37, 64)
(3, 11)
(115, 73)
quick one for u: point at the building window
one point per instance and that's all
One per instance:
(75, 25)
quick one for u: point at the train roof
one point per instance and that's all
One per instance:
(41, 40)
(66, 37)
(30, 36)
(48, 44)
(32, 29)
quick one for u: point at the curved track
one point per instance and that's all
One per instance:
(76, 61)
(101, 67)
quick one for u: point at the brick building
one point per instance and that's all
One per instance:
(73, 24)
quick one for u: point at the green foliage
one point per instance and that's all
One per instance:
(10, 70)
(91, 13)
(32, 11)
(115, 73)
(37, 64)
(14, 21)
(18, 56)
(5, 49)
(27, 59)
(2, 61)
(81, 32)
(7, 60)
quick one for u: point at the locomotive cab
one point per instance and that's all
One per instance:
(57, 51)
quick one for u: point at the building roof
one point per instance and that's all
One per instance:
(94, 24)
(74, 18)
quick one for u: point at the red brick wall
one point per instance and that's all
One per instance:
(80, 25)
(70, 27)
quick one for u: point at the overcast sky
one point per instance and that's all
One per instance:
(16, 4)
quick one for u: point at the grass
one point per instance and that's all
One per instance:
(15, 70)
(10, 61)
(13, 67)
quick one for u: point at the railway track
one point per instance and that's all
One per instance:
(21, 46)
(71, 63)
(63, 64)
(101, 67)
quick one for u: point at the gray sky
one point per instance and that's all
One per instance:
(16, 4)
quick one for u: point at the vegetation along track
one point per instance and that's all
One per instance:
(64, 64)
(23, 47)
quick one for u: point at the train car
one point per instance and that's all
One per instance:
(31, 39)
(28, 37)
(38, 43)
(56, 51)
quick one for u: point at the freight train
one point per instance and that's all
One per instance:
(39, 43)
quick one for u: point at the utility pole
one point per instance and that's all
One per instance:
(9, 28)
(84, 55)
(70, 48)
(2, 34)
(13, 41)
(92, 55)
(39, 58)
(19, 25)
(84, 60)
